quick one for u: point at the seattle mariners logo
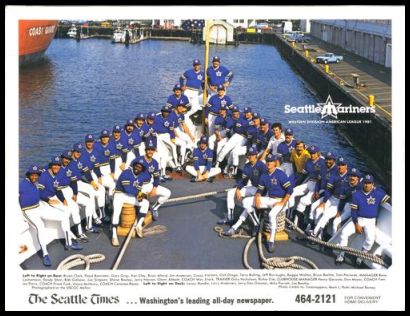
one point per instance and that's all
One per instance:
(218, 73)
(92, 158)
(371, 200)
(329, 108)
(68, 173)
(107, 152)
(130, 141)
(274, 181)
(255, 172)
(223, 102)
(56, 183)
(80, 165)
(151, 169)
(136, 184)
(141, 133)
(166, 123)
(199, 77)
(118, 146)
(205, 156)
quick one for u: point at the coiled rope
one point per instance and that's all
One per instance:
(78, 260)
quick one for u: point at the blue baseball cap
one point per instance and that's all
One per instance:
(313, 149)
(66, 154)
(116, 128)
(78, 147)
(330, 155)
(196, 62)
(247, 109)
(55, 161)
(149, 144)
(138, 161)
(235, 109)
(140, 116)
(221, 87)
(203, 140)
(89, 138)
(354, 172)
(288, 131)
(216, 58)
(129, 123)
(272, 157)
(264, 121)
(177, 87)
(165, 108)
(368, 178)
(105, 133)
(256, 115)
(252, 151)
(151, 115)
(341, 161)
(33, 169)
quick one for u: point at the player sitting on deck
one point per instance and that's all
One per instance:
(202, 169)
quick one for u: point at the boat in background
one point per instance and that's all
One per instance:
(34, 38)
(72, 31)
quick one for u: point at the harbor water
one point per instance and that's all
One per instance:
(84, 87)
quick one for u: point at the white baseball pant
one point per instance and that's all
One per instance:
(234, 141)
(121, 198)
(369, 228)
(212, 173)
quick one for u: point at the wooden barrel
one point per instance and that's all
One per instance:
(128, 215)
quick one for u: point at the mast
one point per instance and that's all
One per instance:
(205, 96)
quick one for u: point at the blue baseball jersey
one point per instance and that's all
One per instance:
(149, 133)
(252, 135)
(336, 186)
(151, 167)
(164, 125)
(222, 123)
(253, 173)
(214, 104)
(130, 183)
(241, 126)
(347, 193)
(315, 169)
(192, 79)
(218, 76)
(173, 101)
(284, 149)
(48, 184)
(105, 152)
(29, 195)
(262, 139)
(277, 184)
(177, 118)
(367, 204)
(325, 176)
(203, 158)
(90, 161)
(116, 145)
(139, 130)
(130, 141)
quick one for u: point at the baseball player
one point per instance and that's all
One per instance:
(365, 210)
(314, 168)
(343, 209)
(264, 135)
(150, 135)
(214, 105)
(251, 136)
(183, 137)
(275, 140)
(202, 169)
(119, 156)
(321, 186)
(153, 189)
(128, 190)
(48, 185)
(139, 121)
(278, 188)
(67, 177)
(130, 141)
(239, 138)
(35, 211)
(245, 187)
(106, 162)
(223, 125)
(192, 81)
(284, 150)
(218, 75)
(177, 98)
(334, 193)
(89, 160)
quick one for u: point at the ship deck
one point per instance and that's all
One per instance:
(189, 242)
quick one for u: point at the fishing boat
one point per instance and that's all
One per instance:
(186, 237)
(118, 35)
(34, 38)
(72, 31)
